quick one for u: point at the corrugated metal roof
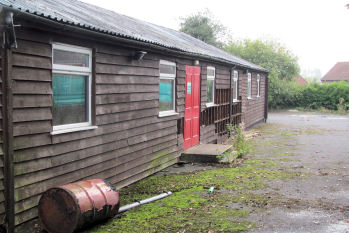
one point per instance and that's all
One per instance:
(95, 18)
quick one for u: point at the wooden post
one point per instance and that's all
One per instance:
(8, 139)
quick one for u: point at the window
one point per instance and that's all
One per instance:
(210, 86)
(249, 86)
(258, 85)
(71, 85)
(235, 85)
(167, 88)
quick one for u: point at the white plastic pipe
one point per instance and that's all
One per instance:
(145, 201)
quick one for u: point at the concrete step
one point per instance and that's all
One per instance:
(207, 153)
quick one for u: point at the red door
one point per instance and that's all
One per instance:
(192, 106)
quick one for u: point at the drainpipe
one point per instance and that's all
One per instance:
(230, 95)
(6, 22)
(231, 73)
(8, 139)
(266, 98)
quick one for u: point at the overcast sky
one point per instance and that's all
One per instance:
(316, 31)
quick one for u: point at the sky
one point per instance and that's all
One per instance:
(316, 31)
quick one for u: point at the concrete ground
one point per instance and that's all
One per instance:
(318, 146)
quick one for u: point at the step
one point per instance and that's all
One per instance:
(206, 153)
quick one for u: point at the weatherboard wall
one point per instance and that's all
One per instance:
(252, 109)
(131, 141)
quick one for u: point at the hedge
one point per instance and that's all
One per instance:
(287, 94)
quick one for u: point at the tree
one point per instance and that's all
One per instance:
(280, 62)
(203, 27)
(268, 54)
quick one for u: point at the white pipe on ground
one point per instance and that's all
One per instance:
(145, 201)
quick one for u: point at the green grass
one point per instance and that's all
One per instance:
(191, 207)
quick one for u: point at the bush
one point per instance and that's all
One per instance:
(287, 94)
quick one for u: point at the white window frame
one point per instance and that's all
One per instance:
(236, 80)
(168, 77)
(211, 77)
(258, 85)
(74, 70)
(249, 86)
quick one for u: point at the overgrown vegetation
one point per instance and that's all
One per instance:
(192, 208)
(238, 139)
(333, 96)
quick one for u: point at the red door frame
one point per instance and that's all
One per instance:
(192, 106)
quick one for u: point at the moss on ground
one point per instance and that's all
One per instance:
(192, 210)
(310, 131)
(284, 133)
(284, 160)
(191, 207)
(284, 153)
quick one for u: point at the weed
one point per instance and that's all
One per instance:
(238, 140)
(240, 143)
(343, 107)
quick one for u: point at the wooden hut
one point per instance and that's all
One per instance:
(86, 92)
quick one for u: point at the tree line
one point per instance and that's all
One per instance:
(282, 65)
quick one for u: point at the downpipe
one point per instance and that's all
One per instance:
(145, 201)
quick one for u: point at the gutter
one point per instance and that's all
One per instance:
(118, 38)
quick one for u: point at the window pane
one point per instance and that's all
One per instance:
(235, 93)
(209, 91)
(70, 103)
(210, 72)
(62, 57)
(249, 88)
(167, 69)
(166, 95)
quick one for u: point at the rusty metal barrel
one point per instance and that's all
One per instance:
(69, 207)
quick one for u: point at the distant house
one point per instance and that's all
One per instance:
(339, 72)
(300, 81)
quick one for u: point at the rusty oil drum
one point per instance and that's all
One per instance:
(66, 208)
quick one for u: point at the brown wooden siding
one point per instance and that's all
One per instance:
(252, 109)
(131, 141)
(207, 134)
